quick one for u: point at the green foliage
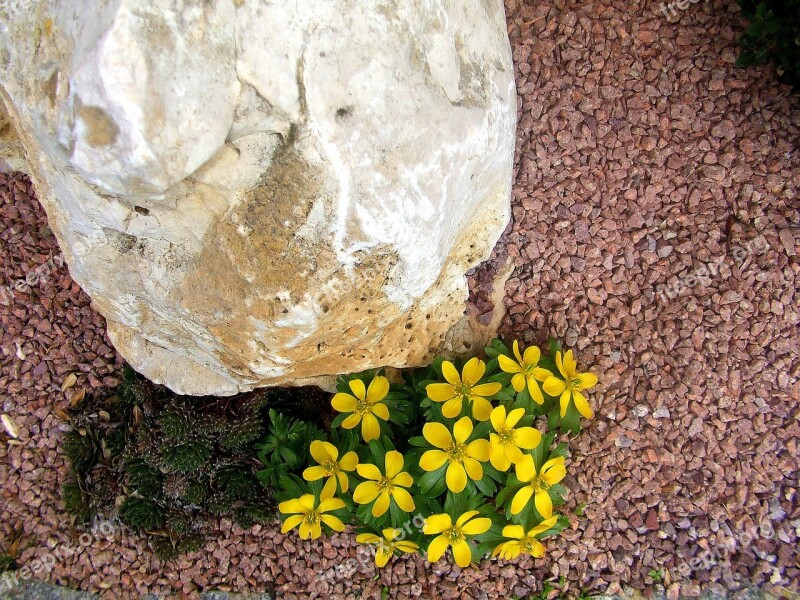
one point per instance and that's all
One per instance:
(139, 513)
(175, 461)
(773, 35)
(463, 443)
(284, 449)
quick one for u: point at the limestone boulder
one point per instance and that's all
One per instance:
(257, 193)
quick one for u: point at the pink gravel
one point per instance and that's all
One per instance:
(644, 157)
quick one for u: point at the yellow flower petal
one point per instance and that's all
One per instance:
(403, 499)
(323, 451)
(486, 389)
(432, 460)
(527, 437)
(545, 525)
(406, 546)
(531, 356)
(479, 450)
(389, 533)
(508, 550)
(521, 499)
(351, 421)
(380, 410)
(349, 461)
(343, 482)
(314, 473)
(541, 374)
(330, 504)
(543, 504)
(329, 489)
(560, 364)
(514, 454)
(554, 386)
(450, 373)
(440, 392)
(570, 366)
(465, 517)
(343, 402)
(462, 553)
(394, 463)
(358, 388)
(437, 435)
(515, 532)
(370, 429)
(437, 524)
(481, 408)
(378, 388)
(477, 526)
(565, 396)
(291, 523)
(582, 404)
(403, 479)
(498, 418)
(382, 557)
(368, 538)
(508, 365)
(462, 429)
(473, 469)
(456, 477)
(381, 505)
(588, 380)
(526, 469)
(369, 471)
(332, 522)
(472, 371)
(553, 473)
(518, 382)
(514, 416)
(533, 389)
(452, 408)
(437, 548)
(498, 457)
(305, 531)
(516, 352)
(365, 492)
(304, 503)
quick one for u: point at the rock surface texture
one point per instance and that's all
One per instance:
(259, 193)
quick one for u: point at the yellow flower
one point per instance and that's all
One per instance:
(463, 457)
(523, 542)
(454, 535)
(326, 454)
(386, 545)
(572, 387)
(526, 371)
(385, 487)
(458, 389)
(365, 405)
(310, 517)
(505, 445)
(539, 484)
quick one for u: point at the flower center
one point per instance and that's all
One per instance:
(462, 390)
(311, 518)
(528, 545)
(384, 485)
(575, 383)
(506, 436)
(362, 406)
(330, 465)
(454, 535)
(540, 484)
(457, 452)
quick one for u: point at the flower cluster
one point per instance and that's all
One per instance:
(460, 447)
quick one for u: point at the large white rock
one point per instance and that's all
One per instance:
(263, 192)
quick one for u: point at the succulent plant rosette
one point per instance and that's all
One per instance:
(460, 457)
